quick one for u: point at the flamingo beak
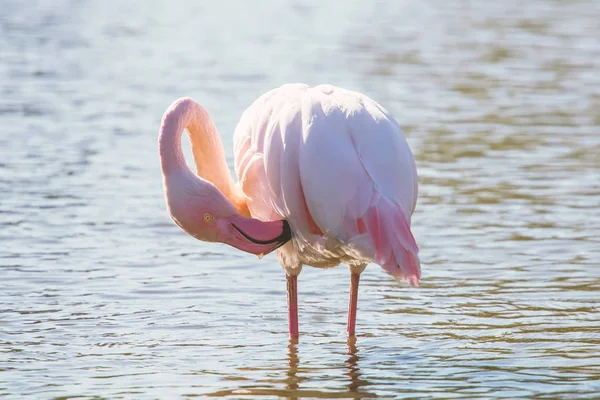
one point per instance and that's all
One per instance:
(259, 237)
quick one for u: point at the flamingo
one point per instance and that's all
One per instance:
(325, 176)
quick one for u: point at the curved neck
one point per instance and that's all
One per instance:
(207, 148)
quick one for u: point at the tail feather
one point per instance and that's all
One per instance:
(395, 247)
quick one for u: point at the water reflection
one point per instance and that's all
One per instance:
(356, 383)
(296, 375)
(293, 361)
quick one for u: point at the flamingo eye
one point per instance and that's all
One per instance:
(208, 217)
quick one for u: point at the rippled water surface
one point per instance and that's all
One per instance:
(102, 296)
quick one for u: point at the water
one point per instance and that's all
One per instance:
(102, 296)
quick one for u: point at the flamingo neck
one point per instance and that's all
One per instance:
(207, 148)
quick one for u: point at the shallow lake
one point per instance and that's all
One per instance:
(102, 296)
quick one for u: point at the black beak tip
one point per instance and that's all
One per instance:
(286, 233)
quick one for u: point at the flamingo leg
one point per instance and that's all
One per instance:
(352, 304)
(292, 300)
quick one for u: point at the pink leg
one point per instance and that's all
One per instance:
(292, 300)
(352, 304)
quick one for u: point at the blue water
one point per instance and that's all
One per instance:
(102, 296)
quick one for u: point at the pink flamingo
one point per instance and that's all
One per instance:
(325, 176)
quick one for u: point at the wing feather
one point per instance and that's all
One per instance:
(339, 159)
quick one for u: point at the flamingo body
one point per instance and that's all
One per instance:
(337, 167)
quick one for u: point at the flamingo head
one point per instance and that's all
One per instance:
(202, 211)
